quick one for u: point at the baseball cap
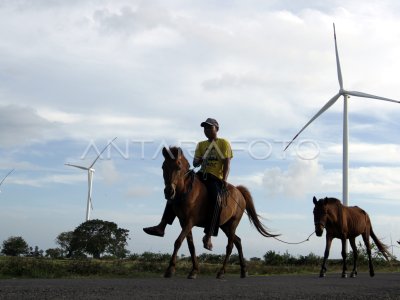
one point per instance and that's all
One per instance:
(210, 121)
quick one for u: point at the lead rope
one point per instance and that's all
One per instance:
(290, 243)
(306, 240)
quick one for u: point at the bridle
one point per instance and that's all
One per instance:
(320, 223)
(185, 194)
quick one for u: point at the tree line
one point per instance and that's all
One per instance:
(94, 238)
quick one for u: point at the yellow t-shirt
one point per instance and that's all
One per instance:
(213, 153)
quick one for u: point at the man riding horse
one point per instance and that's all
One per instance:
(213, 155)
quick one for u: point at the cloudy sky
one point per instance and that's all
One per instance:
(76, 74)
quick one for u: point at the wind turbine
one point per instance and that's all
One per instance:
(90, 171)
(1, 182)
(345, 94)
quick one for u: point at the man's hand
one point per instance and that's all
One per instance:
(197, 162)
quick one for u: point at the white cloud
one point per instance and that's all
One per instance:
(94, 75)
(362, 153)
(376, 182)
(371, 184)
(388, 220)
(139, 192)
(21, 125)
(127, 19)
(301, 177)
(109, 172)
(250, 180)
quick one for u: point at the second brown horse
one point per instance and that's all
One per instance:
(344, 223)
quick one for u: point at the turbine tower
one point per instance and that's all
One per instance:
(1, 182)
(90, 171)
(345, 94)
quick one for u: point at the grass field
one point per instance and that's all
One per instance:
(27, 267)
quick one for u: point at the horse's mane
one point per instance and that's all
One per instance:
(332, 201)
(177, 152)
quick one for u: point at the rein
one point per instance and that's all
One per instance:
(192, 174)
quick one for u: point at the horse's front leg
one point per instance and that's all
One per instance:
(195, 264)
(172, 263)
(326, 255)
(344, 256)
(355, 257)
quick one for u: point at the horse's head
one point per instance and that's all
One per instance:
(320, 215)
(175, 167)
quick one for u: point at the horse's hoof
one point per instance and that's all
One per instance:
(353, 274)
(168, 274)
(244, 274)
(220, 276)
(192, 276)
(322, 275)
(372, 274)
(344, 275)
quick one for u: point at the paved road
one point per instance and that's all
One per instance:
(382, 286)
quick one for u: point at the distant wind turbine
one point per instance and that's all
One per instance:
(345, 95)
(90, 171)
(1, 182)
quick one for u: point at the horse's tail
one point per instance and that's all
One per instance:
(381, 246)
(252, 214)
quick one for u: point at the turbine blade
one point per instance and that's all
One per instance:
(322, 110)
(76, 166)
(365, 95)
(102, 152)
(339, 70)
(6, 176)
